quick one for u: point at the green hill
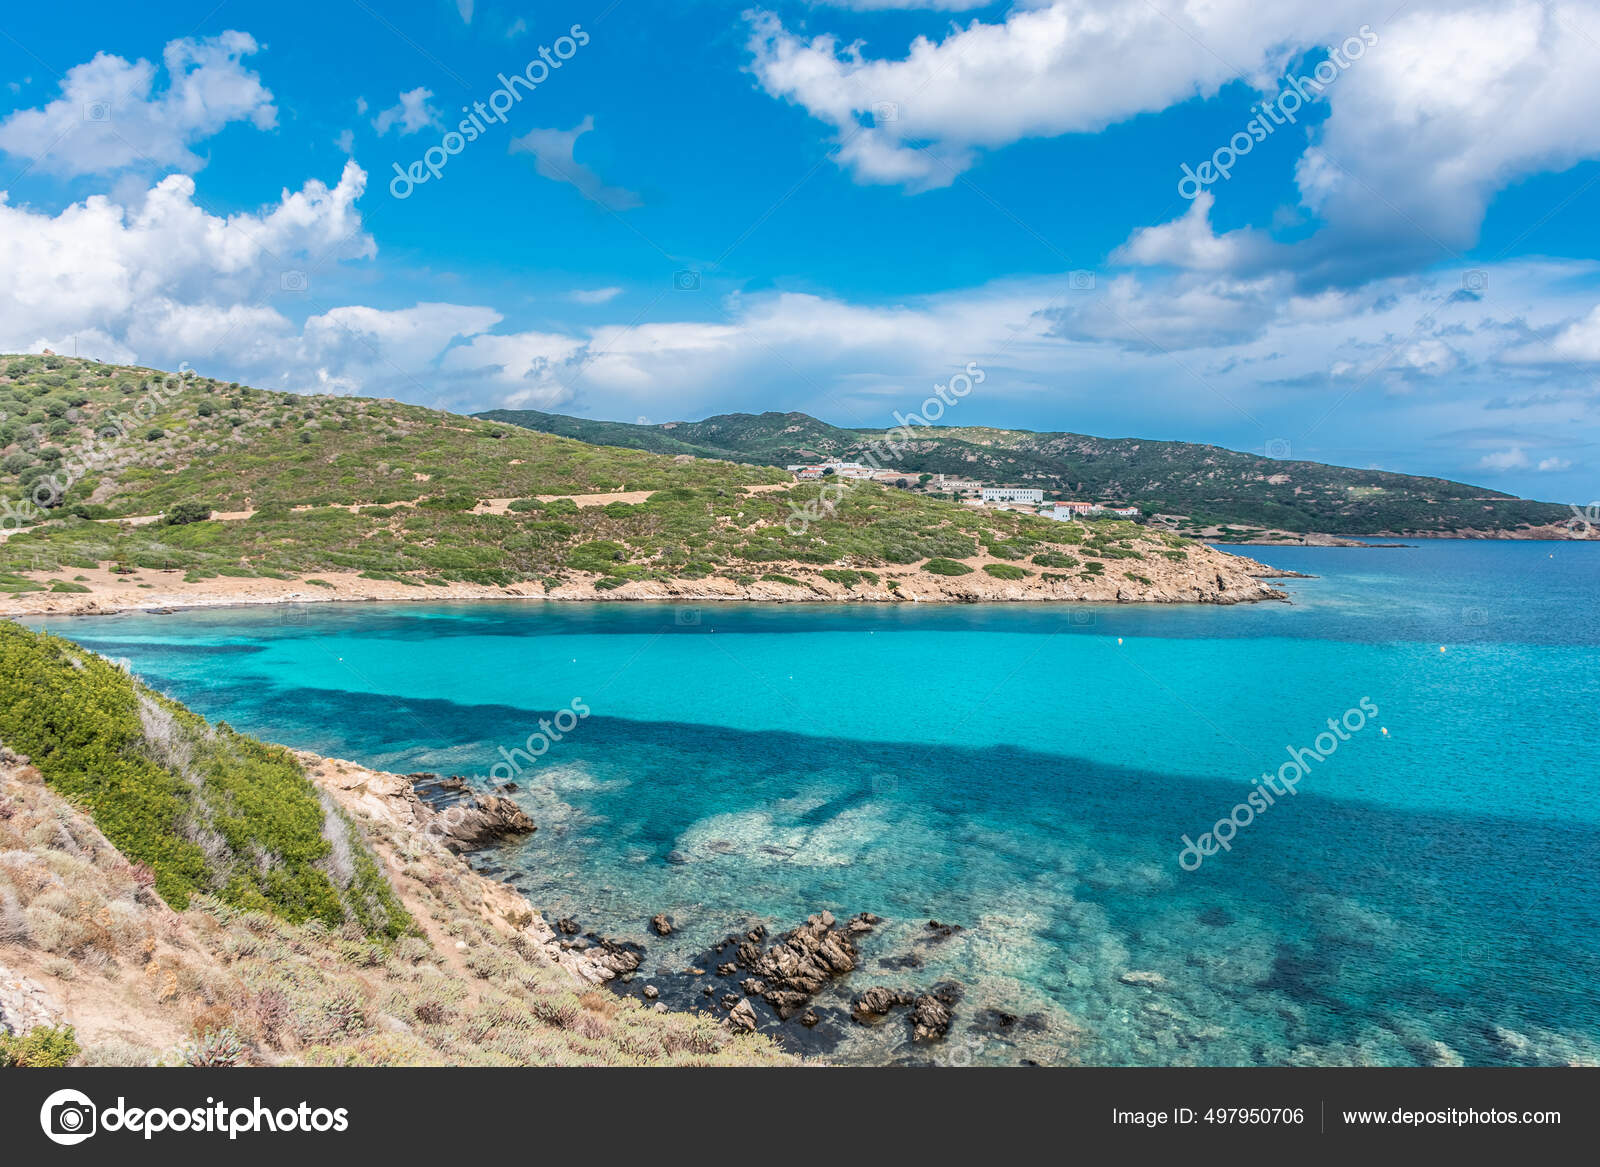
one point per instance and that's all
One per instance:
(224, 480)
(1210, 485)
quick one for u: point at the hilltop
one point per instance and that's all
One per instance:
(1211, 487)
(129, 487)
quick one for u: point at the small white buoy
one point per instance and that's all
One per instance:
(1384, 730)
(1119, 640)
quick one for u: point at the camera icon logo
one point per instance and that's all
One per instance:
(686, 281)
(1475, 280)
(1080, 281)
(1278, 448)
(97, 111)
(1081, 619)
(688, 617)
(293, 281)
(68, 1117)
(885, 111)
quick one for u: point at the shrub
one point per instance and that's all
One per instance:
(186, 512)
(42, 1047)
(1005, 571)
(946, 567)
(208, 810)
(217, 1048)
(1055, 559)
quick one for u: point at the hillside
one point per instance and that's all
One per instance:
(1209, 485)
(175, 893)
(122, 480)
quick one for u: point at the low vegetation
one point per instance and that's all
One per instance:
(397, 492)
(1208, 484)
(202, 809)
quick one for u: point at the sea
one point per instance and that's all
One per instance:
(1358, 827)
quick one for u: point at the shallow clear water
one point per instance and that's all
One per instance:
(1428, 894)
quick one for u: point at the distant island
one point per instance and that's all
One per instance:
(1205, 492)
(129, 488)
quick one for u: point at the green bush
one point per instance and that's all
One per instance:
(946, 567)
(1005, 571)
(42, 1047)
(208, 810)
(1055, 559)
(186, 512)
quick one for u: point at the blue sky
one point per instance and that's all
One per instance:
(832, 207)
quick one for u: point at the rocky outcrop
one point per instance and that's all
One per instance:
(662, 924)
(392, 799)
(24, 1004)
(799, 963)
(874, 1004)
(931, 1012)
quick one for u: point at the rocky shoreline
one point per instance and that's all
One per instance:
(752, 981)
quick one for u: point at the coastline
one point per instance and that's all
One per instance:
(1206, 576)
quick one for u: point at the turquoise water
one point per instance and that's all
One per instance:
(1429, 894)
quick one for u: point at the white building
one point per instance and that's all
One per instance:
(1012, 494)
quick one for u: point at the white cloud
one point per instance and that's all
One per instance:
(1188, 242)
(111, 116)
(1547, 465)
(155, 277)
(552, 153)
(594, 295)
(1070, 66)
(412, 113)
(1511, 459)
(1457, 100)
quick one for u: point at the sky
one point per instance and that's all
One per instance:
(1359, 233)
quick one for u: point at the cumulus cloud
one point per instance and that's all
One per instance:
(112, 115)
(1456, 101)
(163, 276)
(411, 113)
(1514, 458)
(552, 152)
(1065, 67)
(1189, 242)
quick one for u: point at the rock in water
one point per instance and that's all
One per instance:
(743, 1018)
(930, 1018)
(801, 961)
(662, 924)
(876, 1003)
